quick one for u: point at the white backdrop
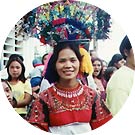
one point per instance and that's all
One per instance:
(122, 11)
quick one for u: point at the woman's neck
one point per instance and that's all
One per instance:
(130, 66)
(68, 83)
(14, 81)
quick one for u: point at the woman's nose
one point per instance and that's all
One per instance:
(14, 69)
(68, 64)
(7, 94)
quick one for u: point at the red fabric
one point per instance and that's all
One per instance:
(35, 65)
(67, 117)
(42, 39)
(96, 124)
(42, 126)
(56, 110)
(58, 21)
(87, 33)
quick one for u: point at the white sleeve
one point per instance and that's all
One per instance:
(91, 82)
(44, 85)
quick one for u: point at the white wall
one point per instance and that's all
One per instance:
(29, 47)
(108, 47)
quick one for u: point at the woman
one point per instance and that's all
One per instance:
(8, 91)
(98, 77)
(109, 72)
(67, 107)
(20, 86)
(117, 61)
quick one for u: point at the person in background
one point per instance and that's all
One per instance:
(121, 82)
(44, 58)
(45, 83)
(98, 77)
(117, 61)
(20, 85)
(93, 54)
(104, 67)
(67, 107)
(3, 72)
(8, 91)
(36, 76)
(108, 73)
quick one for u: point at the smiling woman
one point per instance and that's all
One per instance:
(67, 65)
(40, 30)
(67, 107)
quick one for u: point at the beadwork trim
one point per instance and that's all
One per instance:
(68, 94)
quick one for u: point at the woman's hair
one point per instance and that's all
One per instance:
(108, 72)
(5, 81)
(51, 73)
(43, 57)
(115, 59)
(16, 55)
(125, 44)
(22, 75)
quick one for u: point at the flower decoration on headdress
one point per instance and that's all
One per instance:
(77, 20)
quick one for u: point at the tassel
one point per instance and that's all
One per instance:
(86, 64)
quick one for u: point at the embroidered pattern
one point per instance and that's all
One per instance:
(68, 94)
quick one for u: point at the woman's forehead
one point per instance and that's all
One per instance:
(67, 52)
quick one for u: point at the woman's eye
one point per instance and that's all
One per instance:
(73, 60)
(62, 60)
(18, 67)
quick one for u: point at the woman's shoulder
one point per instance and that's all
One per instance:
(89, 90)
(46, 92)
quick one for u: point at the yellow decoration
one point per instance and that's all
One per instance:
(86, 64)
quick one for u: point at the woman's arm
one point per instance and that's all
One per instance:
(38, 115)
(100, 113)
(22, 103)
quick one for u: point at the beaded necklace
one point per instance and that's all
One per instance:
(67, 93)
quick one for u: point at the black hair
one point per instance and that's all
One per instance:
(43, 57)
(4, 80)
(51, 73)
(16, 55)
(22, 75)
(125, 45)
(115, 59)
(108, 72)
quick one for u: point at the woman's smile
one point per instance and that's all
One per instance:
(67, 65)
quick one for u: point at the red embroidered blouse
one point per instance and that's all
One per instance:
(61, 106)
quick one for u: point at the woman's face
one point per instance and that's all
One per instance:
(45, 59)
(97, 67)
(15, 69)
(8, 92)
(120, 63)
(67, 64)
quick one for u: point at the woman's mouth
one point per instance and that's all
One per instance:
(68, 72)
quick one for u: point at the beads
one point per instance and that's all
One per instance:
(68, 94)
